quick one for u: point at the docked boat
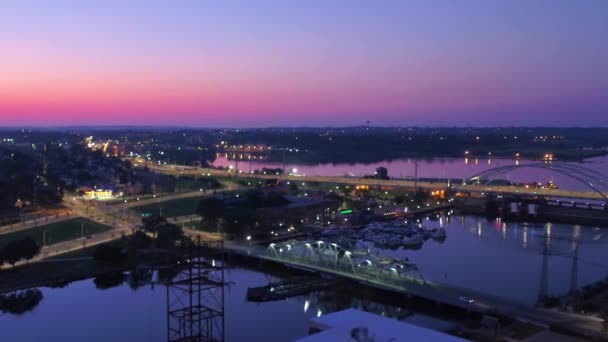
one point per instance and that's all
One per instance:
(413, 242)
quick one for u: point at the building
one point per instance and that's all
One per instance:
(355, 325)
(97, 194)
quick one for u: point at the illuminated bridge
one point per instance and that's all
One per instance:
(355, 262)
(594, 181)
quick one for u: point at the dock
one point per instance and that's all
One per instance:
(286, 288)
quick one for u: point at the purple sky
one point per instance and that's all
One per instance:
(313, 62)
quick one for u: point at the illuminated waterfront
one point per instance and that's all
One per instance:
(428, 168)
(502, 259)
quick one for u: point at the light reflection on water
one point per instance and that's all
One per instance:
(505, 258)
(80, 312)
(490, 256)
(432, 168)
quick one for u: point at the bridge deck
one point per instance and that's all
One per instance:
(440, 293)
(402, 183)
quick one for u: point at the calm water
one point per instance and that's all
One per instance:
(488, 256)
(80, 312)
(505, 259)
(431, 168)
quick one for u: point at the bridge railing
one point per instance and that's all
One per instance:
(389, 276)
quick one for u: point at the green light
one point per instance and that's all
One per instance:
(346, 212)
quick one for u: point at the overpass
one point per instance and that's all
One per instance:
(475, 184)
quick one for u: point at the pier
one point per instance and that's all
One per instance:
(286, 288)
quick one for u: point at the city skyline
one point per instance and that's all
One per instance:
(315, 63)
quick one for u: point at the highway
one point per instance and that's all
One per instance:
(165, 198)
(109, 215)
(177, 170)
(15, 227)
(440, 293)
(74, 245)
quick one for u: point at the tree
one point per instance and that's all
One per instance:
(293, 187)
(109, 280)
(239, 221)
(211, 209)
(10, 253)
(2, 256)
(108, 253)
(139, 240)
(168, 235)
(382, 173)
(258, 199)
(29, 248)
(153, 223)
(15, 250)
(254, 198)
(275, 199)
(20, 302)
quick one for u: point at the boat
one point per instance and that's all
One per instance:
(413, 242)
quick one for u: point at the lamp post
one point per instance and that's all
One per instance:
(44, 237)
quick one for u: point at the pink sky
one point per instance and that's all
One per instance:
(234, 65)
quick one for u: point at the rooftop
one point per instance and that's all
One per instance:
(337, 327)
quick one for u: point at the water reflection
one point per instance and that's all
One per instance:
(120, 313)
(454, 168)
(20, 302)
(505, 259)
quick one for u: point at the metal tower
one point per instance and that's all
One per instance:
(195, 296)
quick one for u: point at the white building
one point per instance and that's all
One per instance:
(355, 325)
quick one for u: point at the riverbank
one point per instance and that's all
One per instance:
(61, 270)
(55, 273)
(310, 159)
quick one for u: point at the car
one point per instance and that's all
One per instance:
(466, 300)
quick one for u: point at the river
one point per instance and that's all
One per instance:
(494, 257)
(81, 312)
(502, 259)
(505, 259)
(432, 168)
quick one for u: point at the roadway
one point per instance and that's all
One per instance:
(106, 215)
(15, 227)
(441, 293)
(133, 203)
(177, 170)
(71, 201)
(73, 245)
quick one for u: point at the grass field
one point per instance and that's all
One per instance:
(57, 232)
(178, 207)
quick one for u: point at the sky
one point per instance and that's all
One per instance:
(304, 63)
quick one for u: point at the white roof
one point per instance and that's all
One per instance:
(337, 327)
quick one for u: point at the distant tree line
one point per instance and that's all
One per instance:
(381, 173)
